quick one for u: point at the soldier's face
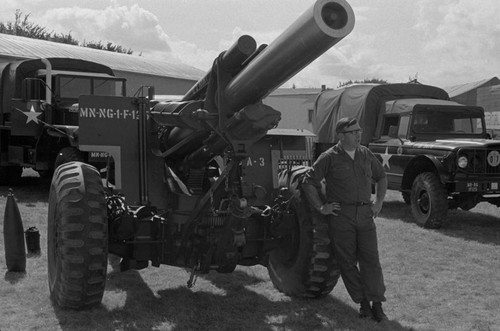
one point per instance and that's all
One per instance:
(351, 136)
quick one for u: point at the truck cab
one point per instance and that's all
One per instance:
(66, 88)
(435, 151)
(429, 119)
(39, 111)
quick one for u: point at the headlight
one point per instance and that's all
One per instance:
(462, 162)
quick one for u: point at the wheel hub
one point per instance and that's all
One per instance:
(424, 202)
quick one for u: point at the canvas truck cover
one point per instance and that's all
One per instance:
(363, 102)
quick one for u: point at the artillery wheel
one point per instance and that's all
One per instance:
(65, 155)
(303, 265)
(429, 200)
(77, 237)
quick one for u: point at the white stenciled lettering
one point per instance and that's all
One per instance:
(87, 112)
(109, 113)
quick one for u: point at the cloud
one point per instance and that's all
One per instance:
(9, 7)
(130, 27)
(138, 29)
(447, 42)
(465, 40)
(193, 55)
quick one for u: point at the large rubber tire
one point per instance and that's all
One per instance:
(429, 200)
(65, 155)
(77, 237)
(303, 266)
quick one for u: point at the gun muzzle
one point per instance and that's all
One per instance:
(313, 33)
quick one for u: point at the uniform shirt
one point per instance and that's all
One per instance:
(347, 180)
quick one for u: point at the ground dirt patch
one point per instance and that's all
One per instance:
(443, 279)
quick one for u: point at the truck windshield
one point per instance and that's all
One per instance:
(448, 121)
(73, 87)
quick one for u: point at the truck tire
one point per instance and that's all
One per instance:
(77, 237)
(429, 200)
(303, 265)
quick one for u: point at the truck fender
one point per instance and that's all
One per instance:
(420, 164)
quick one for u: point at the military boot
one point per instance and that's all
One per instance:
(378, 312)
(365, 310)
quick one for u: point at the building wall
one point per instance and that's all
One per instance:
(489, 98)
(294, 110)
(469, 98)
(162, 85)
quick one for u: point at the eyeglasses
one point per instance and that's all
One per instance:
(358, 131)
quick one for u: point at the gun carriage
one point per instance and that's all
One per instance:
(196, 181)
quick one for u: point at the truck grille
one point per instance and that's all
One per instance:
(481, 160)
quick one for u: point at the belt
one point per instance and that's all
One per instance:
(354, 203)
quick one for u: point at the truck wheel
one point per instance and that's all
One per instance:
(77, 237)
(429, 200)
(10, 175)
(68, 154)
(303, 265)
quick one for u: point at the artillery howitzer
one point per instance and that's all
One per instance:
(195, 181)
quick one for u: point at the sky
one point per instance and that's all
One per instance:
(442, 43)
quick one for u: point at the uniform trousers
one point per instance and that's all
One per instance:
(354, 240)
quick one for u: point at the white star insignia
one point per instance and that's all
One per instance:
(32, 115)
(385, 158)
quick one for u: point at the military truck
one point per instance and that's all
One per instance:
(435, 151)
(39, 111)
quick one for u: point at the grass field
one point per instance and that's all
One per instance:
(447, 279)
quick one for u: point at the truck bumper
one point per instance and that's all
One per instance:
(489, 186)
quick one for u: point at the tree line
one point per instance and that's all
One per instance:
(22, 26)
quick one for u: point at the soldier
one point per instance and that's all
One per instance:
(349, 170)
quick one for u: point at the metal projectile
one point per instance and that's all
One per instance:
(13, 233)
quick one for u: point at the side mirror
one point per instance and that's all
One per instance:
(151, 92)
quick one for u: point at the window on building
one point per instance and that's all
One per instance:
(310, 114)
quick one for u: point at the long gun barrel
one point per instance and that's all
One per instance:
(227, 100)
(232, 59)
(313, 33)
